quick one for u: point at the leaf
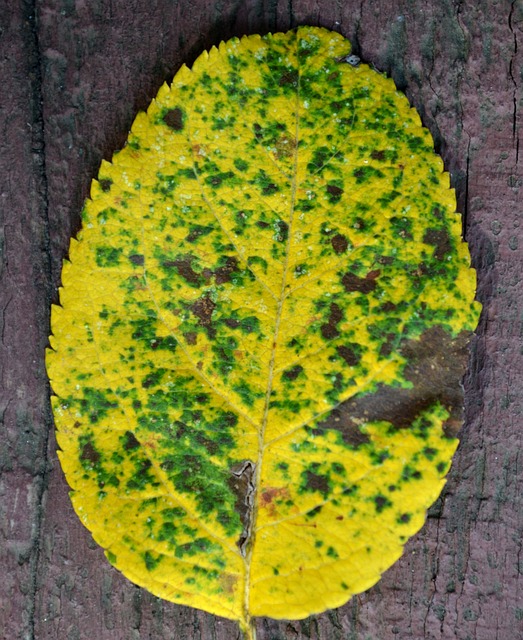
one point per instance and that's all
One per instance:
(263, 325)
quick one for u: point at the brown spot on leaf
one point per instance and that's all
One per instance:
(435, 365)
(316, 482)
(228, 582)
(339, 243)
(388, 306)
(137, 259)
(89, 453)
(232, 323)
(193, 235)
(223, 274)
(199, 150)
(334, 191)
(174, 119)
(105, 185)
(292, 373)
(424, 269)
(130, 441)
(203, 309)
(207, 274)
(137, 283)
(378, 155)
(330, 330)
(388, 346)
(341, 421)
(381, 502)
(288, 78)
(190, 337)
(285, 147)
(350, 356)
(241, 483)
(183, 265)
(352, 282)
(180, 429)
(269, 495)
(439, 238)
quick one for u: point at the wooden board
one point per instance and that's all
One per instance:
(74, 73)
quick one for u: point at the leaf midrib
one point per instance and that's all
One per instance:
(270, 378)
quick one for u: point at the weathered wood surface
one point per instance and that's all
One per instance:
(73, 75)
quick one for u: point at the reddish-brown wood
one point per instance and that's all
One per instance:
(74, 73)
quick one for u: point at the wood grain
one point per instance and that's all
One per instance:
(74, 73)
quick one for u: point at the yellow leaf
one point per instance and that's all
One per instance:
(262, 329)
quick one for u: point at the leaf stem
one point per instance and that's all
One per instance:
(248, 629)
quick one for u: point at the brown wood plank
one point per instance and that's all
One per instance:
(72, 84)
(24, 318)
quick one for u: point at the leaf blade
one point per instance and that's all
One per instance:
(273, 263)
